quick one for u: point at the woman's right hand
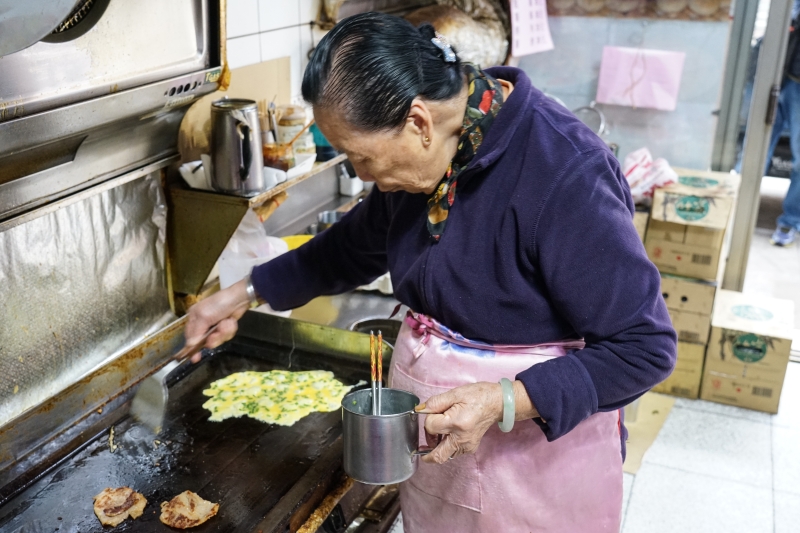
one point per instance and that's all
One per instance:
(222, 309)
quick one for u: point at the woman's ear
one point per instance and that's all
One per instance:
(420, 121)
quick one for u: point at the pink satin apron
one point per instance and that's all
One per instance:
(517, 481)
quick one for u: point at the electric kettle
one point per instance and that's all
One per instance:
(237, 166)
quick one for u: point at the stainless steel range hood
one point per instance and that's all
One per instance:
(101, 95)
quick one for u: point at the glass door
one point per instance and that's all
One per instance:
(753, 77)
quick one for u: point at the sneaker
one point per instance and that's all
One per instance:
(783, 236)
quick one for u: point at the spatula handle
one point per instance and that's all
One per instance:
(189, 350)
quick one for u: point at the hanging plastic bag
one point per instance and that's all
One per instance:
(645, 175)
(248, 247)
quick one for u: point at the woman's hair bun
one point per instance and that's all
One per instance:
(427, 30)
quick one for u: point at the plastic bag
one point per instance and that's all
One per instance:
(248, 247)
(645, 175)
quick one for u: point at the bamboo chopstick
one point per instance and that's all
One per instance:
(373, 369)
(380, 371)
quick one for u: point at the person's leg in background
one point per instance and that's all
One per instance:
(778, 128)
(789, 221)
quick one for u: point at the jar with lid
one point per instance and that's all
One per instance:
(292, 120)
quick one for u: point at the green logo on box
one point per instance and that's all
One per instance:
(697, 183)
(692, 207)
(751, 312)
(749, 348)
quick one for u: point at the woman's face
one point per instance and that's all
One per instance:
(413, 158)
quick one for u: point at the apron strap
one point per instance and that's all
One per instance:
(425, 326)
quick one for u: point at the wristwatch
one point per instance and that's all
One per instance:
(252, 295)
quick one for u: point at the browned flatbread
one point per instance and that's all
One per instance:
(186, 510)
(112, 506)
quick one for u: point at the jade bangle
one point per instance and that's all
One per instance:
(509, 409)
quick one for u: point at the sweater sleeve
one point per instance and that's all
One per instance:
(600, 280)
(347, 255)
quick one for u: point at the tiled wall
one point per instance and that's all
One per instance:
(684, 136)
(260, 30)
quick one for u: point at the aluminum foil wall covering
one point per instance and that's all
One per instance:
(77, 286)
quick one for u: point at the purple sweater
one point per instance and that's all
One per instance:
(539, 247)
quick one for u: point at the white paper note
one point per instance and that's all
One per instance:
(530, 31)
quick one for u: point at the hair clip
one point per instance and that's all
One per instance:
(440, 41)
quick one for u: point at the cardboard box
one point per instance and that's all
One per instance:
(640, 219)
(691, 327)
(685, 379)
(682, 259)
(697, 181)
(747, 393)
(751, 337)
(686, 294)
(686, 233)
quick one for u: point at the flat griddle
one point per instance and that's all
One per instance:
(260, 474)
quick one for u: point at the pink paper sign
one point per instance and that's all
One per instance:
(638, 77)
(530, 31)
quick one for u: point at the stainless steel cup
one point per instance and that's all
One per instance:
(236, 159)
(381, 449)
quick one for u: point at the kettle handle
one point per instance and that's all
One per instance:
(247, 152)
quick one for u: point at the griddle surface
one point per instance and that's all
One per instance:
(243, 464)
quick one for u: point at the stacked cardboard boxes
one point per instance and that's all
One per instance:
(686, 240)
(689, 303)
(751, 338)
(688, 222)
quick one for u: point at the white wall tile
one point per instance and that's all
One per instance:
(243, 51)
(309, 9)
(242, 17)
(277, 14)
(306, 44)
(284, 43)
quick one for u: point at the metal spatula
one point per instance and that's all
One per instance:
(149, 405)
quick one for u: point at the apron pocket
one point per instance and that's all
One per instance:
(456, 481)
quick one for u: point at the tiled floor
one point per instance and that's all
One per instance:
(719, 468)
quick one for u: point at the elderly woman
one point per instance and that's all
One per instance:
(506, 226)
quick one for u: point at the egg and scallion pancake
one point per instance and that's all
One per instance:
(276, 397)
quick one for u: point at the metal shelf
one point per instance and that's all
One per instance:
(200, 224)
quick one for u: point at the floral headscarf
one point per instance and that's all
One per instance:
(483, 103)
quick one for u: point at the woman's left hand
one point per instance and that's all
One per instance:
(462, 415)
